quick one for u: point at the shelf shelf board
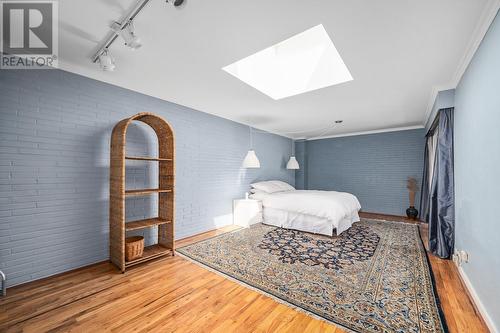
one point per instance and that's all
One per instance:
(139, 158)
(146, 223)
(146, 191)
(150, 252)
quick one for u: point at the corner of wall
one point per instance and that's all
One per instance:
(301, 174)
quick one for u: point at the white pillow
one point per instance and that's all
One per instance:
(272, 186)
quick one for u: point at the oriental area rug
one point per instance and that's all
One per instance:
(374, 277)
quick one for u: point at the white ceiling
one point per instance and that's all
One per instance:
(398, 52)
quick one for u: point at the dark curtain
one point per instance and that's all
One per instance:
(424, 193)
(441, 196)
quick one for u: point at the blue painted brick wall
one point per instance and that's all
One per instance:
(373, 167)
(55, 132)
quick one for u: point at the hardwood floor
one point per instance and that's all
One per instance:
(175, 295)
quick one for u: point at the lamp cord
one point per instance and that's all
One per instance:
(251, 138)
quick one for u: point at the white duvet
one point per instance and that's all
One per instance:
(335, 207)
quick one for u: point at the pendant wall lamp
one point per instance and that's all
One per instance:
(293, 164)
(124, 28)
(251, 160)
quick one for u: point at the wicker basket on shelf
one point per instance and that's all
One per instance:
(134, 247)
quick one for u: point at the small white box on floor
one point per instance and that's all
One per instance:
(247, 212)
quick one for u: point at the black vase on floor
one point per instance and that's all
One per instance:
(412, 212)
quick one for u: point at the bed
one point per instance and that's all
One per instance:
(319, 212)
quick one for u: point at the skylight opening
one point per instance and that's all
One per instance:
(305, 62)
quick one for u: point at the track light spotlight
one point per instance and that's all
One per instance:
(128, 34)
(175, 3)
(106, 61)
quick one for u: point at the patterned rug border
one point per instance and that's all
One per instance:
(434, 289)
(301, 309)
(437, 301)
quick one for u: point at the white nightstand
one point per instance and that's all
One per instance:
(247, 212)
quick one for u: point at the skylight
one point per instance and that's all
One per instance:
(302, 63)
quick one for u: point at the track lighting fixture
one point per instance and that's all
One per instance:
(125, 29)
(128, 34)
(106, 61)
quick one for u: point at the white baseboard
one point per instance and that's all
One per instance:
(475, 298)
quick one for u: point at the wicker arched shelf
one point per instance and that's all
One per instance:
(165, 220)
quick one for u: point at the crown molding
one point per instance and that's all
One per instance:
(487, 16)
(384, 130)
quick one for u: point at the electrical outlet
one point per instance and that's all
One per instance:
(460, 257)
(464, 256)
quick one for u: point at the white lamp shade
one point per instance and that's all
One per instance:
(131, 40)
(107, 62)
(292, 163)
(251, 160)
